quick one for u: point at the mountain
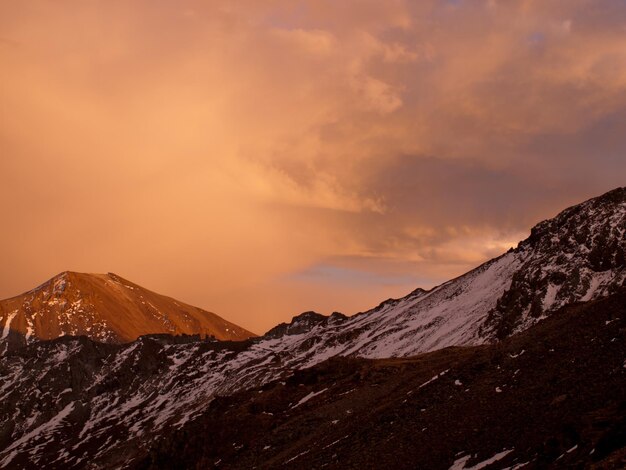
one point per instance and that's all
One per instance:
(104, 307)
(552, 396)
(77, 402)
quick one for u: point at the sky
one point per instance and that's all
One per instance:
(263, 158)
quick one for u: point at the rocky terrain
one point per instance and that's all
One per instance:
(552, 396)
(577, 256)
(72, 402)
(103, 307)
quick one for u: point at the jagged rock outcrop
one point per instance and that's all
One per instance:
(303, 323)
(577, 256)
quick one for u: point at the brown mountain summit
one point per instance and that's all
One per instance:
(104, 307)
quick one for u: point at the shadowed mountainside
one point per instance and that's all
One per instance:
(553, 396)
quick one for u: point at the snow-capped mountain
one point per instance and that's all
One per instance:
(86, 403)
(103, 307)
(579, 255)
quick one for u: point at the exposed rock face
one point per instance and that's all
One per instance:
(104, 307)
(63, 399)
(579, 255)
(304, 323)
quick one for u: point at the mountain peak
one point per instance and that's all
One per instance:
(591, 214)
(104, 307)
(578, 255)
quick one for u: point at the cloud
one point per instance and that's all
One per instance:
(214, 150)
(377, 95)
(316, 42)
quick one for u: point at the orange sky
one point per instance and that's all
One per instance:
(262, 158)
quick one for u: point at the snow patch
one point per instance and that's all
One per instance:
(45, 430)
(7, 325)
(459, 464)
(308, 397)
(550, 297)
(440, 374)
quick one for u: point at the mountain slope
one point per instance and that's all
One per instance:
(104, 307)
(577, 256)
(552, 396)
